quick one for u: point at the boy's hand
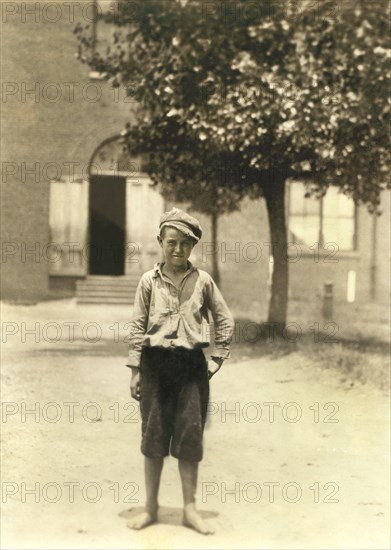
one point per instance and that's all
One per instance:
(135, 384)
(214, 364)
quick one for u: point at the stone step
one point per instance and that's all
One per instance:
(106, 300)
(106, 292)
(108, 286)
(111, 281)
(134, 276)
(106, 289)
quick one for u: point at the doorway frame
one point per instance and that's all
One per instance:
(114, 172)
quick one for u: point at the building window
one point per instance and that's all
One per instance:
(101, 32)
(331, 219)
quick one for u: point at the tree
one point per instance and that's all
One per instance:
(276, 90)
(188, 172)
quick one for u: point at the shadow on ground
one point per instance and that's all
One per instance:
(168, 515)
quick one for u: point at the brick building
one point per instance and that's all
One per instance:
(68, 194)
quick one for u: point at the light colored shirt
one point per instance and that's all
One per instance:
(168, 316)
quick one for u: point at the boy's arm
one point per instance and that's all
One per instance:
(139, 322)
(223, 322)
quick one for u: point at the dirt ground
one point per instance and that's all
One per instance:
(294, 458)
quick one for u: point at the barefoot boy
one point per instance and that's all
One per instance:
(170, 375)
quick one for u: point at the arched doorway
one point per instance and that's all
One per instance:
(124, 212)
(107, 171)
(107, 216)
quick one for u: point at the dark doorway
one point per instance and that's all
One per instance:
(107, 225)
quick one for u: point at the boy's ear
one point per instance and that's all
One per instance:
(159, 240)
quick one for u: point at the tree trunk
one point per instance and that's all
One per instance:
(215, 263)
(275, 202)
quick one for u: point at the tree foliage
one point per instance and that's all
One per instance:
(236, 98)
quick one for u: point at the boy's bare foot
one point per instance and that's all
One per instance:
(142, 520)
(192, 519)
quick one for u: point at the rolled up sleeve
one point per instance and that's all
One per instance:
(222, 320)
(139, 321)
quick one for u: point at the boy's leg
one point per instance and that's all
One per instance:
(155, 407)
(152, 471)
(191, 517)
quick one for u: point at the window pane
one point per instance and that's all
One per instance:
(299, 204)
(339, 231)
(305, 229)
(336, 204)
(296, 199)
(104, 34)
(338, 217)
(312, 206)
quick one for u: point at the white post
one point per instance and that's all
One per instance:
(351, 287)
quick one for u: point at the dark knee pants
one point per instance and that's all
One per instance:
(174, 389)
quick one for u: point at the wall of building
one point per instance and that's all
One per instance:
(245, 266)
(54, 117)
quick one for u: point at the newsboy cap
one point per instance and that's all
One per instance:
(182, 221)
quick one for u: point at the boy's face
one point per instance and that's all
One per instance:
(176, 247)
